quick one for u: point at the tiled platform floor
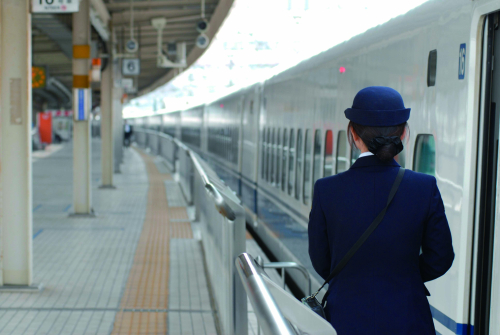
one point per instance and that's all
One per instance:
(134, 269)
(83, 263)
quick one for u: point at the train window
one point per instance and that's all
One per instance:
(268, 159)
(306, 192)
(272, 147)
(342, 159)
(279, 150)
(263, 155)
(284, 159)
(291, 162)
(328, 160)
(355, 152)
(298, 168)
(317, 156)
(425, 155)
(432, 68)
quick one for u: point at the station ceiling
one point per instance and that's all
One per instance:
(52, 41)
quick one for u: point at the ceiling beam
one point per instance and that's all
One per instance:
(147, 15)
(152, 33)
(146, 26)
(156, 4)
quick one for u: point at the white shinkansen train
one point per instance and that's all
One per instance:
(272, 140)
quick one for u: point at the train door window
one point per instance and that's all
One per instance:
(425, 155)
(273, 154)
(284, 159)
(227, 135)
(263, 155)
(279, 149)
(291, 162)
(328, 159)
(268, 151)
(298, 168)
(432, 68)
(355, 152)
(306, 192)
(317, 156)
(342, 159)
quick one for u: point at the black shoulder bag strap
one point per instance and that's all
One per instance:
(365, 235)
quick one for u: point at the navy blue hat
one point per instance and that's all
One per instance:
(378, 106)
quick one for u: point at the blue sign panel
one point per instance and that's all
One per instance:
(81, 104)
(461, 61)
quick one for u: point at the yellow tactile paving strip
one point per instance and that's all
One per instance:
(145, 299)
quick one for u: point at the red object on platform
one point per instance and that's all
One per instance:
(45, 127)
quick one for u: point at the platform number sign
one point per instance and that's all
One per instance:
(131, 66)
(461, 61)
(55, 6)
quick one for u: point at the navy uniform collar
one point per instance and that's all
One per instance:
(372, 161)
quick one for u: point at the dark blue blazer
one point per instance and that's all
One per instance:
(381, 290)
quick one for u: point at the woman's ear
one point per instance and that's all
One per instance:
(355, 136)
(403, 135)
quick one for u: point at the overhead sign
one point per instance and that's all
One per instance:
(131, 66)
(38, 77)
(55, 6)
(128, 85)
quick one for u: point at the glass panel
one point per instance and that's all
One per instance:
(278, 158)
(268, 151)
(317, 158)
(425, 155)
(306, 193)
(328, 163)
(291, 162)
(298, 169)
(355, 152)
(273, 154)
(283, 162)
(263, 154)
(341, 152)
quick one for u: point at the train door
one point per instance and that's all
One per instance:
(250, 129)
(486, 295)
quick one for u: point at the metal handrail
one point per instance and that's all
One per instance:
(147, 131)
(290, 265)
(267, 311)
(220, 203)
(165, 136)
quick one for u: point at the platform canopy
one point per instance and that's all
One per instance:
(111, 22)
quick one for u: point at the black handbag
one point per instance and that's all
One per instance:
(311, 301)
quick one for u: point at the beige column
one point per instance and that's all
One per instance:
(107, 158)
(82, 182)
(117, 116)
(16, 230)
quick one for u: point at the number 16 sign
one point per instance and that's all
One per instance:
(55, 6)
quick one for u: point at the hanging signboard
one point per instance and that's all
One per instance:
(131, 66)
(55, 6)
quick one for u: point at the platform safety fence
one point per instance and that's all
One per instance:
(222, 220)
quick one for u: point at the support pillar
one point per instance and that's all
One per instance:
(16, 230)
(117, 116)
(107, 155)
(82, 182)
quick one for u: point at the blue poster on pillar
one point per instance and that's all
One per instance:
(81, 103)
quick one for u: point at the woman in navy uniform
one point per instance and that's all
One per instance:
(381, 289)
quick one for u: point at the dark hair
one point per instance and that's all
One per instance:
(367, 133)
